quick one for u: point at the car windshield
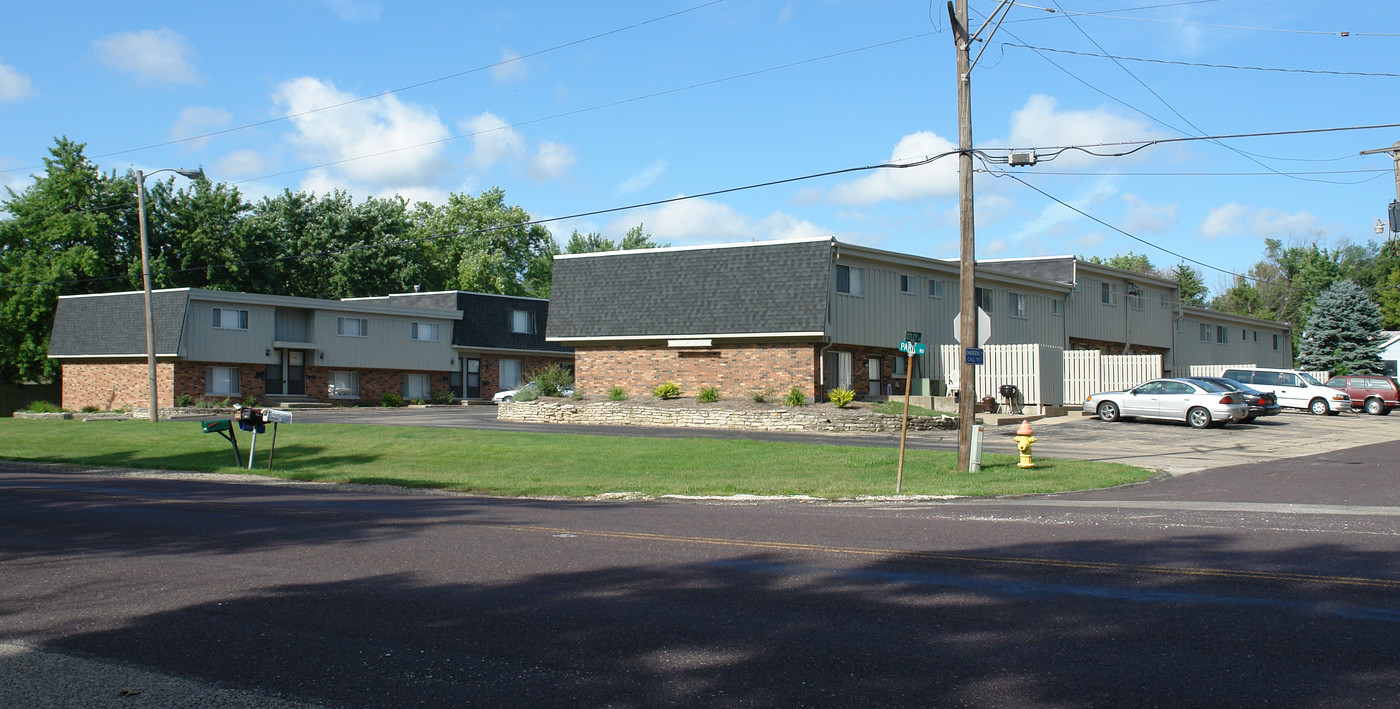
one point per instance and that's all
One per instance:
(1308, 378)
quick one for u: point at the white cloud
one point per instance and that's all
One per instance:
(937, 179)
(700, 221)
(1227, 219)
(242, 163)
(14, 86)
(552, 161)
(405, 140)
(493, 140)
(1040, 123)
(511, 69)
(641, 180)
(322, 182)
(354, 10)
(198, 120)
(1234, 219)
(1143, 217)
(160, 56)
(788, 12)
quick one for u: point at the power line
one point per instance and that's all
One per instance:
(1203, 65)
(408, 87)
(1106, 13)
(925, 160)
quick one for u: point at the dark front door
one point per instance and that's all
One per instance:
(471, 385)
(287, 377)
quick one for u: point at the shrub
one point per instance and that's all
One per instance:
(617, 394)
(42, 407)
(527, 394)
(669, 390)
(552, 380)
(417, 402)
(442, 397)
(390, 399)
(795, 397)
(251, 402)
(90, 409)
(578, 396)
(708, 395)
(760, 396)
(184, 401)
(840, 397)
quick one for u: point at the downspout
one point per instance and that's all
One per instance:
(1127, 316)
(1176, 329)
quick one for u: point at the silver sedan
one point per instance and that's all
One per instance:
(1200, 404)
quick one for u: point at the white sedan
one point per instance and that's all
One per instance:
(1200, 404)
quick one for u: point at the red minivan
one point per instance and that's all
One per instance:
(1372, 393)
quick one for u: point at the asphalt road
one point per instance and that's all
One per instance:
(1256, 585)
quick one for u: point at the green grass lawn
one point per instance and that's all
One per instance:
(545, 464)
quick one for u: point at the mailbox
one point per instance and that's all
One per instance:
(276, 416)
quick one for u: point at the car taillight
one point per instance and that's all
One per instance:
(1227, 399)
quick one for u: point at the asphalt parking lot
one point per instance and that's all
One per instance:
(1173, 448)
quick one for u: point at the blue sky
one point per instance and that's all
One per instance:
(578, 107)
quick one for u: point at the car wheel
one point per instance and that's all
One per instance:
(1248, 419)
(1318, 406)
(507, 399)
(1375, 407)
(1198, 418)
(1108, 411)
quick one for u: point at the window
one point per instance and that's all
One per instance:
(984, 299)
(427, 332)
(935, 288)
(1256, 335)
(229, 319)
(522, 321)
(906, 284)
(1166, 302)
(1135, 299)
(352, 327)
(1222, 335)
(343, 385)
(848, 280)
(510, 374)
(1057, 306)
(901, 367)
(1275, 342)
(415, 386)
(221, 381)
(1205, 332)
(1018, 305)
(1244, 335)
(1108, 294)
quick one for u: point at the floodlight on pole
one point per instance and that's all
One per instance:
(146, 278)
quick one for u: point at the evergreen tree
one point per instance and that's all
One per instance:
(1189, 282)
(1344, 332)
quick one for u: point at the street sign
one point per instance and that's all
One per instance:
(974, 355)
(912, 336)
(984, 327)
(913, 348)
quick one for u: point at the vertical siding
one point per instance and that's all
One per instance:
(1191, 350)
(1091, 319)
(388, 345)
(881, 314)
(205, 343)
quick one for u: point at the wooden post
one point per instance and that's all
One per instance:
(904, 429)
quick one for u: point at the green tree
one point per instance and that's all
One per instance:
(482, 244)
(1344, 332)
(1137, 263)
(69, 232)
(1190, 284)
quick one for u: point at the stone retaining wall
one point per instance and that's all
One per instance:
(613, 413)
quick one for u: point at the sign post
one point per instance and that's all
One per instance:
(910, 346)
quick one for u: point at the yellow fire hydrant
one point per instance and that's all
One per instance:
(1024, 439)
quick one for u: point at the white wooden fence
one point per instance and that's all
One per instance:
(1090, 371)
(1036, 370)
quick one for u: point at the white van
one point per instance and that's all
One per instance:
(1294, 389)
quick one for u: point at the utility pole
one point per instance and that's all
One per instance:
(967, 253)
(1394, 151)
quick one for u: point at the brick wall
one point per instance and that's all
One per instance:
(115, 385)
(491, 370)
(1114, 348)
(737, 369)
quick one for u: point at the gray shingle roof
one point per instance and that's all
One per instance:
(486, 319)
(753, 288)
(115, 324)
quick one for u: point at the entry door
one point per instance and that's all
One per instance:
(296, 373)
(471, 382)
(874, 366)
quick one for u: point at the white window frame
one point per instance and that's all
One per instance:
(1165, 302)
(901, 367)
(1019, 303)
(906, 284)
(935, 288)
(984, 297)
(423, 331)
(1108, 294)
(1205, 332)
(528, 318)
(421, 378)
(1222, 335)
(1057, 307)
(1276, 341)
(1135, 300)
(219, 318)
(517, 370)
(210, 379)
(854, 280)
(343, 384)
(361, 327)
